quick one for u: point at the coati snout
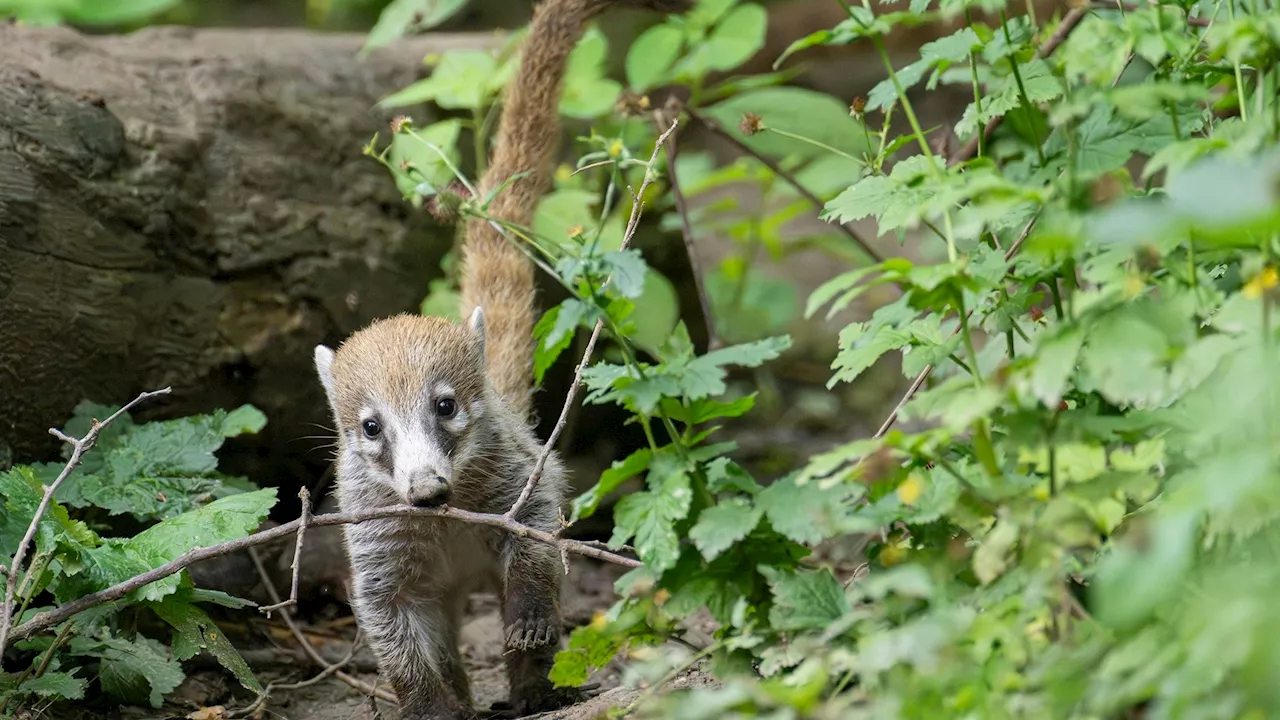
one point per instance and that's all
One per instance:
(428, 489)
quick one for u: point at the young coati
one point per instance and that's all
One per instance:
(430, 412)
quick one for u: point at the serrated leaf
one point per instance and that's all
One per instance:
(584, 506)
(724, 474)
(650, 516)
(132, 671)
(704, 375)
(808, 513)
(722, 525)
(627, 271)
(545, 351)
(194, 631)
(219, 521)
(804, 600)
(60, 685)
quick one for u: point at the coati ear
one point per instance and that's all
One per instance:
(324, 368)
(477, 326)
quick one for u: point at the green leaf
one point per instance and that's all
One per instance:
(116, 12)
(991, 557)
(58, 685)
(1055, 361)
(657, 312)
(651, 56)
(219, 521)
(736, 38)
(627, 271)
(814, 115)
(650, 517)
(194, 631)
(401, 16)
(724, 474)
(132, 671)
(545, 351)
(619, 472)
(808, 513)
(428, 165)
(722, 525)
(804, 600)
(244, 420)
(704, 376)
(464, 80)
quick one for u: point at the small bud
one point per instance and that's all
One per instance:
(858, 107)
(631, 104)
(446, 205)
(401, 122)
(751, 124)
(576, 232)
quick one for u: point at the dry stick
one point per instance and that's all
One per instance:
(630, 233)
(686, 231)
(790, 179)
(307, 647)
(273, 686)
(303, 520)
(79, 448)
(49, 618)
(1069, 23)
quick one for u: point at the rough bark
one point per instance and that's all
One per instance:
(192, 208)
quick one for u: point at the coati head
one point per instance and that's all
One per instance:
(406, 393)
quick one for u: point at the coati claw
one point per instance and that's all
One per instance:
(528, 633)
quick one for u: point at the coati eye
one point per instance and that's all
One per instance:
(445, 407)
(371, 428)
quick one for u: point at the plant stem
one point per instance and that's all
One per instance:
(977, 90)
(811, 141)
(1022, 89)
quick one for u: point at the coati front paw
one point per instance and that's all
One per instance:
(532, 631)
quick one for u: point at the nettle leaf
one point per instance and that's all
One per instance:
(1037, 80)
(936, 55)
(132, 671)
(159, 469)
(652, 55)
(194, 632)
(22, 490)
(804, 600)
(722, 525)
(650, 516)
(1055, 361)
(585, 505)
(58, 685)
(862, 23)
(724, 474)
(219, 521)
(808, 513)
(700, 411)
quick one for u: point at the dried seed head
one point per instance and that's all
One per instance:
(400, 123)
(751, 124)
(858, 107)
(446, 205)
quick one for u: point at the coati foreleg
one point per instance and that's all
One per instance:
(531, 622)
(415, 637)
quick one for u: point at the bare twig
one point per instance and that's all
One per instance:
(790, 179)
(686, 231)
(78, 449)
(305, 518)
(1069, 23)
(307, 647)
(634, 222)
(49, 618)
(318, 677)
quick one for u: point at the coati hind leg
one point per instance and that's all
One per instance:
(531, 621)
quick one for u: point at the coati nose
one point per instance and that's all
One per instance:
(429, 491)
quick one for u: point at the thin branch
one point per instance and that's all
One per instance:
(305, 518)
(79, 448)
(634, 222)
(49, 618)
(307, 647)
(686, 231)
(790, 179)
(1069, 23)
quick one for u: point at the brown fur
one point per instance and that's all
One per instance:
(411, 577)
(496, 276)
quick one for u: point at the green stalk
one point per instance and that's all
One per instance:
(977, 90)
(1022, 90)
(811, 141)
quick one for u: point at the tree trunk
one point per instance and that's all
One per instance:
(192, 208)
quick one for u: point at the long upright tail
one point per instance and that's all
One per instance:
(496, 276)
